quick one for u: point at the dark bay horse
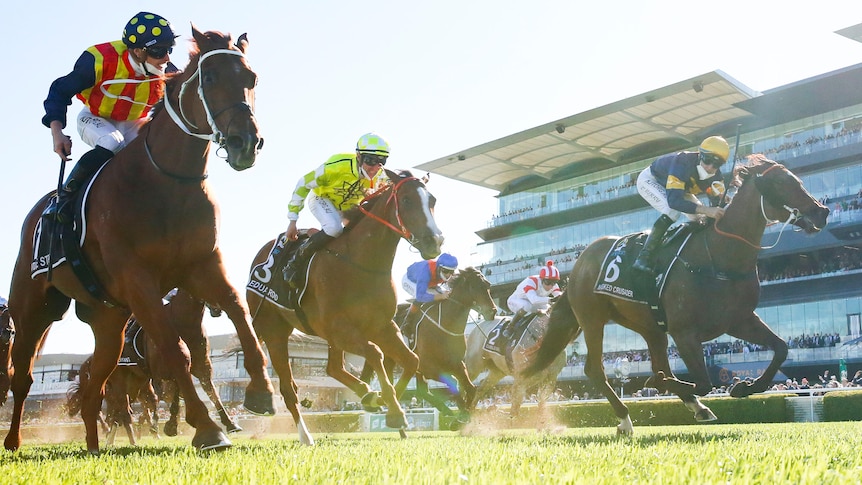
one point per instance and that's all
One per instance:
(478, 360)
(440, 342)
(126, 385)
(713, 290)
(350, 298)
(151, 225)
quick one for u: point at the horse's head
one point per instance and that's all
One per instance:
(225, 87)
(470, 288)
(783, 193)
(411, 209)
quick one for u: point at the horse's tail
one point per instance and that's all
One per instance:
(563, 327)
(75, 393)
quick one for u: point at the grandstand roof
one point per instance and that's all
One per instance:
(660, 121)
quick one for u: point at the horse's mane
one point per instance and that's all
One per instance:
(174, 78)
(754, 164)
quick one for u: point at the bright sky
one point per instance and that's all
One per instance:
(432, 78)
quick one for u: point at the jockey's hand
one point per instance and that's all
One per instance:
(441, 296)
(62, 143)
(713, 212)
(292, 231)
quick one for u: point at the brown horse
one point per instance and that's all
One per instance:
(151, 225)
(711, 289)
(350, 298)
(478, 360)
(440, 342)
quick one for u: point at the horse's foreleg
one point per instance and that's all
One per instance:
(335, 368)
(210, 283)
(757, 332)
(277, 340)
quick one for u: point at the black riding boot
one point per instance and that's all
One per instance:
(411, 320)
(86, 167)
(645, 258)
(509, 328)
(293, 268)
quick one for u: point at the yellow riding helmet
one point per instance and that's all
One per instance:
(715, 145)
(372, 143)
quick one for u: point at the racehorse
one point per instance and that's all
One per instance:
(478, 359)
(440, 342)
(126, 385)
(711, 289)
(350, 297)
(151, 225)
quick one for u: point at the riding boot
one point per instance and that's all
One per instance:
(293, 268)
(645, 258)
(509, 328)
(86, 167)
(411, 320)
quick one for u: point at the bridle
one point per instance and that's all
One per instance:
(794, 214)
(187, 126)
(401, 230)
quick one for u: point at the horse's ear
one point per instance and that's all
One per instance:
(426, 178)
(197, 35)
(242, 43)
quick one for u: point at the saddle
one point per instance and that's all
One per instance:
(55, 243)
(523, 343)
(618, 280)
(267, 278)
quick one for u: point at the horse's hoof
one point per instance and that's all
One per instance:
(93, 452)
(171, 428)
(402, 433)
(622, 431)
(370, 402)
(211, 440)
(233, 428)
(259, 403)
(705, 415)
(457, 425)
(396, 420)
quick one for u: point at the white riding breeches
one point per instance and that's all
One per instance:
(516, 304)
(329, 217)
(106, 133)
(654, 192)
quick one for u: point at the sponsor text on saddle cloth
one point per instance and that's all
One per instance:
(524, 342)
(617, 279)
(267, 278)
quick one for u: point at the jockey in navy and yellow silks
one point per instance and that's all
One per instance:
(122, 101)
(671, 185)
(339, 184)
(118, 82)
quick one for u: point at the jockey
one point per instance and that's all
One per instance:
(426, 281)
(533, 294)
(118, 82)
(336, 186)
(670, 184)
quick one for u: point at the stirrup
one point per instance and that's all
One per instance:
(57, 212)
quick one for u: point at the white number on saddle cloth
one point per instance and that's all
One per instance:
(612, 273)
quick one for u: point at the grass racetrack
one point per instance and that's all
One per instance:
(821, 453)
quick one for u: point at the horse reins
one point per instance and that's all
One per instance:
(402, 231)
(794, 215)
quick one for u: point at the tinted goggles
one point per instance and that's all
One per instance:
(158, 51)
(371, 159)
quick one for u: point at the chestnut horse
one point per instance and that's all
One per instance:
(711, 289)
(440, 342)
(151, 225)
(350, 298)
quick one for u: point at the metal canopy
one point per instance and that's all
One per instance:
(660, 121)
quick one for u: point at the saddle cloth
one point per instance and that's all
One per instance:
(134, 346)
(525, 340)
(267, 278)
